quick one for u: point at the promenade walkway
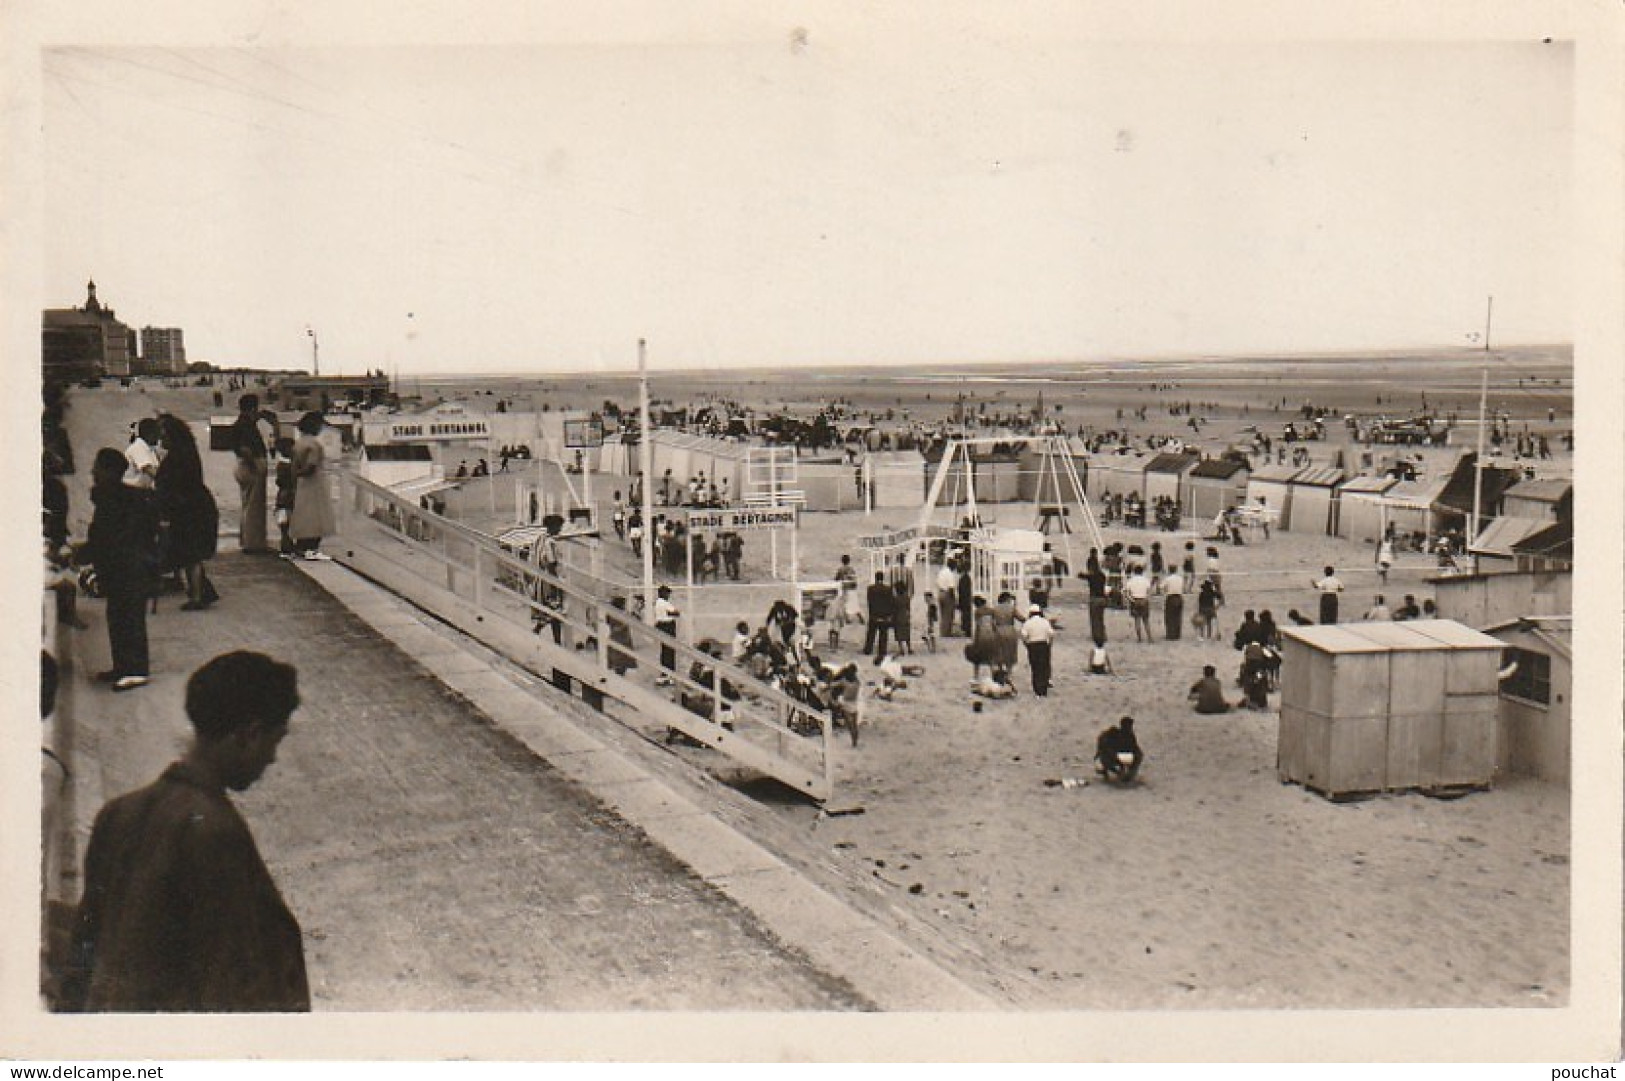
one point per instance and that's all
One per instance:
(434, 861)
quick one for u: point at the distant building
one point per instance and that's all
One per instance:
(305, 392)
(86, 342)
(162, 351)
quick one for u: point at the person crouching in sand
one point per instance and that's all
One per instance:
(1117, 752)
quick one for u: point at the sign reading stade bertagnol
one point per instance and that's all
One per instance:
(741, 520)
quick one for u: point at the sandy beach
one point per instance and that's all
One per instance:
(1208, 884)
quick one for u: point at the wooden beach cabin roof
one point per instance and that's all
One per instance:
(1171, 463)
(1218, 468)
(1275, 474)
(1542, 490)
(1366, 484)
(1458, 491)
(1499, 537)
(1415, 493)
(1414, 634)
(1556, 541)
(1319, 476)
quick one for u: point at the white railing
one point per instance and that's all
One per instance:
(568, 627)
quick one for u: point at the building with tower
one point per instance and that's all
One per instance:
(86, 342)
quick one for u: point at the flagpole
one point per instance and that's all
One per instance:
(1478, 461)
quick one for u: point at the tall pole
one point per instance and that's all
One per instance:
(1489, 311)
(1478, 462)
(646, 467)
(315, 356)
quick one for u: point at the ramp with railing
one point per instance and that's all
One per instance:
(578, 635)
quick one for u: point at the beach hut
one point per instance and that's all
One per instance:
(1314, 500)
(1495, 545)
(828, 483)
(1165, 476)
(1536, 715)
(896, 479)
(1270, 487)
(995, 470)
(1546, 550)
(690, 455)
(1384, 707)
(1551, 499)
(1361, 512)
(1409, 505)
(1044, 462)
(1115, 474)
(1214, 486)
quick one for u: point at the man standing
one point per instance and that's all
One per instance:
(947, 584)
(179, 913)
(1095, 575)
(844, 607)
(251, 470)
(1173, 603)
(1137, 587)
(666, 614)
(1038, 634)
(882, 607)
(1329, 587)
(965, 595)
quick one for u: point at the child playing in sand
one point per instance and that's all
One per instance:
(1100, 664)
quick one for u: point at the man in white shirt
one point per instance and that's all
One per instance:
(666, 614)
(1172, 589)
(1329, 587)
(1038, 634)
(1378, 613)
(1137, 587)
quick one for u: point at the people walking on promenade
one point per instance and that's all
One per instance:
(312, 517)
(122, 547)
(188, 517)
(179, 913)
(251, 470)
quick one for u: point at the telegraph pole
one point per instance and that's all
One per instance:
(315, 356)
(646, 466)
(1488, 313)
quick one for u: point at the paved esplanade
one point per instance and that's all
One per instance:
(434, 862)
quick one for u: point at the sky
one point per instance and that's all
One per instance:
(832, 190)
